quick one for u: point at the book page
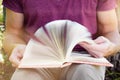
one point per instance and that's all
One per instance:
(49, 50)
(80, 57)
(56, 34)
(47, 41)
(39, 55)
(76, 33)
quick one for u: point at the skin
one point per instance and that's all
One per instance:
(14, 43)
(118, 12)
(105, 45)
(107, 27)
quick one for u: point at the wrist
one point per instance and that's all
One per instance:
(9, 48)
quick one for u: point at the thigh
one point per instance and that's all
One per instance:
(85, 72)
(36, 74)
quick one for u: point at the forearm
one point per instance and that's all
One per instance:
(118, 13)
(14, 33)
(108, 27)
(11, 40)
(114, 37)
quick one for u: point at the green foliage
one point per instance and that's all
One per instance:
(1, 35)
(1, 19)
(1, 12)
(112, 75)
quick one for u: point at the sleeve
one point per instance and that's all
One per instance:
(14, 5)
(104, 5)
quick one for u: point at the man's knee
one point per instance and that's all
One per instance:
(26, 74)
(85, 72)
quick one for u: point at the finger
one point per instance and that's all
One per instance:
(14, 65)
(15, 61)
(96, 55)
(100, 40)
(91, 49)
(85, 45)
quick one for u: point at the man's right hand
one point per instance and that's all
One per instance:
(17, 54)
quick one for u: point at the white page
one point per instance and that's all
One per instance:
(37, 55)
(79, 57)
(76, 33)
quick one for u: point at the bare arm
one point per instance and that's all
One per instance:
(108, 41)
(108, 27)
(14, 30)
(118, 13)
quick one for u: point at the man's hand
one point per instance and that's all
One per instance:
(102, 47)
(17, 55)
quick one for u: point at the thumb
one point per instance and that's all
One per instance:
(85, 45)
(15, 61)
(100, 39)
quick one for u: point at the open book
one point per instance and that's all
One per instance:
(54, 46)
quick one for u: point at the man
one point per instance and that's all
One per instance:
(25, 16)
